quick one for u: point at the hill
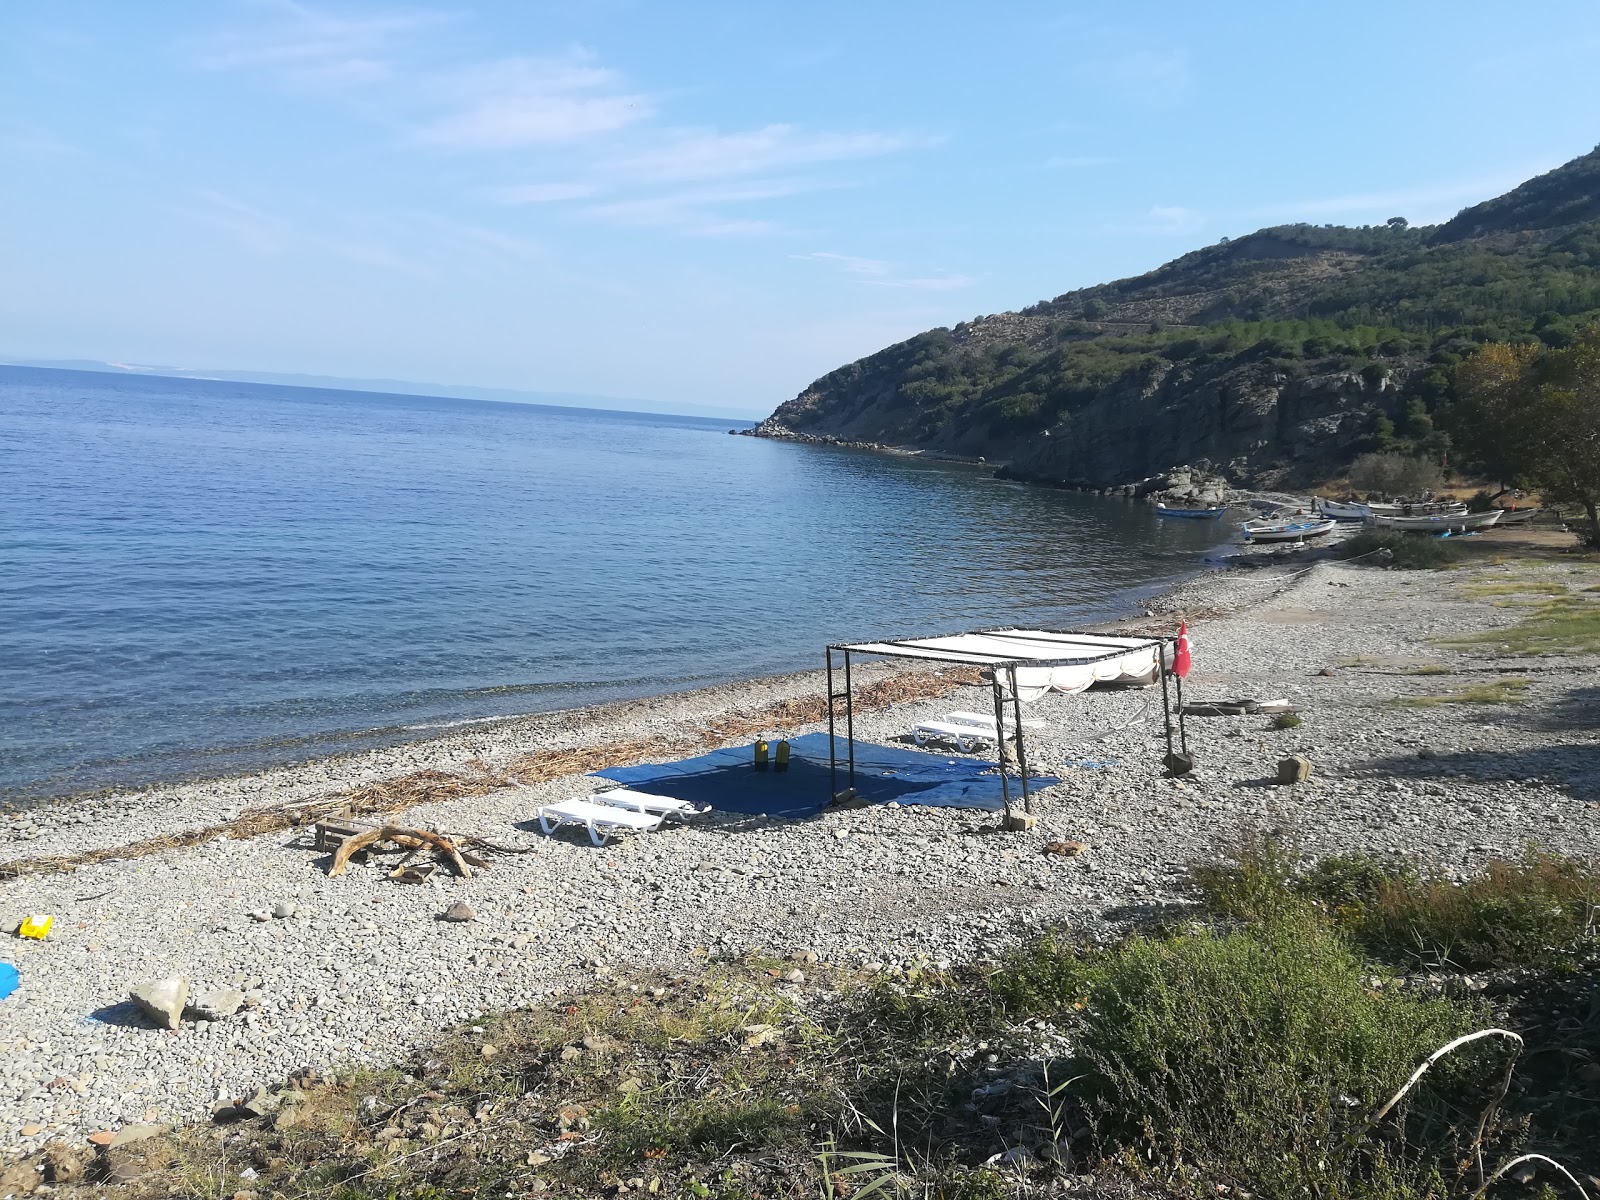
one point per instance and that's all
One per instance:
(1272, 358)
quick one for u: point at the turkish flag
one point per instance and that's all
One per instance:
(1180, 658)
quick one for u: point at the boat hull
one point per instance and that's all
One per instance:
(1341, 510)
(1289, 531)
(1193, 514)
(1452, 523)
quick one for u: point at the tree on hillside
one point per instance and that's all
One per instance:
(1530, 414)
(1391, 474)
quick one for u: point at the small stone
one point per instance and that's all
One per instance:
(31, 1130)
(1067, 849)
(129, 1134)
(1328, 672)
(162, 1000)
(795, 976)
(102, 1137)
(20, 1180)
(282, 910)
(1294, 769)
(489, 1050)
(260, 1104)
(1427, 752)
(460, 911)
(803, 956)
(1589, 1072)
(218, 1004)
(261, 914)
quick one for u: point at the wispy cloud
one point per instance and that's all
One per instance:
(1164, 219)
(881, 273)
(1079, 161)
(701, 154)
(527, 101)
(542, 193)
(258, 232)
(1422, 204)
(307, 46)
(696, 211)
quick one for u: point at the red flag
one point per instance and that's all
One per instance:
(1180, 658)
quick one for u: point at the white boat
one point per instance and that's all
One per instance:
(1343, 510)
(1287, 531)
(1440, 522)
(1211, 513)
(1429, 508)
(1516, 516)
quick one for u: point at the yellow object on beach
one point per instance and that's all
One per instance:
(36, 926)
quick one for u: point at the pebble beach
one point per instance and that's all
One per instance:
(359, 969)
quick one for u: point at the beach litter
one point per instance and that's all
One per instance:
(36, 926)
(9, 979)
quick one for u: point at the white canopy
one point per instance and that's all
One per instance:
(1044, 660)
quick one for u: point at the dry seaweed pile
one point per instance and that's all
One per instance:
(478, 778)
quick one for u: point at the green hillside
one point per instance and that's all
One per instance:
(1273, 358)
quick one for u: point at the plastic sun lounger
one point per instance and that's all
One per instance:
(645, 802)
(601, 820)
(986, 722)
(966, 737)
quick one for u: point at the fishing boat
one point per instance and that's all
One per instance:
(1343, 510)
(1516, 516)
(1198, 514)
(1287, 531)
(1440, 522)
(1429, 508)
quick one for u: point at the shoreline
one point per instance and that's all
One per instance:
(363, 971)
(457, 740)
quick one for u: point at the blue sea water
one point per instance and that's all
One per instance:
(203, 577)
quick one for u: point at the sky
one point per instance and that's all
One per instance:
(707, 204)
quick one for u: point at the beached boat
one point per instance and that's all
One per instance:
(1517, 516)
(1428, 508)
(1440, 522)
(1198, 514)
(1287, 531)
(1343, 510)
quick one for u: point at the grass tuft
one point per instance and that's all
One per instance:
(1287, 720)
(1497, 691)
(1568, 625)
(1406, 551)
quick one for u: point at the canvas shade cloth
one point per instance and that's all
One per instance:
(1067, 662)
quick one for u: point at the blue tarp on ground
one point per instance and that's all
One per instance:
(726, 779)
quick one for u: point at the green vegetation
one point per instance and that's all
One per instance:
(1286, 721)
(1375, 321)
(1497, 691)
(1539, 910)
(1564, 625)
(1253, 1051)
(1406, 551)
(1387, 473)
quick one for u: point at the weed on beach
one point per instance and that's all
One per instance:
(1497, 691)
(1566, 625)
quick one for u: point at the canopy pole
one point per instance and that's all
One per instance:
(1000, 736)
(1183, 733)
(833, 756)
(850, 721)
(1022, 751)
(1166, 704)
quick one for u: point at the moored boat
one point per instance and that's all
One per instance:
(1343, 510)
(1428, 508)
(1287, 531)
(1197, 514)
(1440, 522)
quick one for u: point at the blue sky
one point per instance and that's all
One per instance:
(707, 203)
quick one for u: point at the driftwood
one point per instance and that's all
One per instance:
(407, 839)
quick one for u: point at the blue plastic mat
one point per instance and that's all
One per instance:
(726, 779)
(8, 980)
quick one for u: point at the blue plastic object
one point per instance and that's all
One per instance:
(725, 779)
(8, 980)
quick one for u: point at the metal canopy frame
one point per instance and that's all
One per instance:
(999, 666)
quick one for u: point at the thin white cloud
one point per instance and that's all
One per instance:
(1422, 204)
(542, 193)
(879, 272)
(1165, 219)
(696, 211)
(1078, 161)
(1166, 70)
(308, 46)
(529, 101)
(700, 154)
(258, 232)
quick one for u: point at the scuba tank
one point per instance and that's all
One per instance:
(761, 755)
(781, 762)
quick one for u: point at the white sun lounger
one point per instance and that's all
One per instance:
(601, 820)
(984, 721)
(965, 737)
(645, 802)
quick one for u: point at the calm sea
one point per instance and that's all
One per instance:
(200, 577)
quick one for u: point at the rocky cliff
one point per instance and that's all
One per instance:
(1271, 359)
